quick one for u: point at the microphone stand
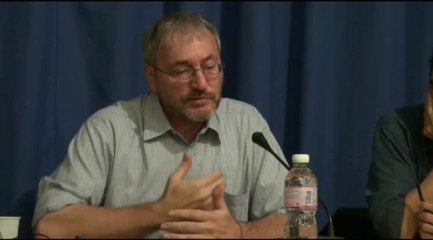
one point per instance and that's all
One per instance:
(330, 222)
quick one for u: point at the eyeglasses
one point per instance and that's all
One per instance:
(185, 75)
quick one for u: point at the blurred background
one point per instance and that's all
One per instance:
(321, 73)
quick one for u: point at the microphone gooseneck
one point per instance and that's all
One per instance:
(259, 139)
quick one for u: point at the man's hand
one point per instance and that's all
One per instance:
(425, 220)
(216, 223)
(182, 194)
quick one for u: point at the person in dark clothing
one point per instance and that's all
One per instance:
(403, 160)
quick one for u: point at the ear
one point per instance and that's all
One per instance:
(150, 75)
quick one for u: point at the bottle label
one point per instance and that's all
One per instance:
(300, 197)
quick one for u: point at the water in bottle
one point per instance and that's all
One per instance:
(300, 199)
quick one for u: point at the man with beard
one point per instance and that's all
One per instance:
(177, 162)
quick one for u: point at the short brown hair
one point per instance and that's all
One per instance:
(164, 28)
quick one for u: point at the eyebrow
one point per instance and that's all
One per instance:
(185, 62)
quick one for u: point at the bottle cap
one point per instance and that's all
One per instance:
(300, 158)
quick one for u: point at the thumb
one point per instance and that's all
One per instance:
(218, 197)
(184, 167)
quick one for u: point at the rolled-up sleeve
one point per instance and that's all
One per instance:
(81, 177)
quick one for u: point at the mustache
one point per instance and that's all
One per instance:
(200, 95)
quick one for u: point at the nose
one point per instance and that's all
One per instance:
(199, 80)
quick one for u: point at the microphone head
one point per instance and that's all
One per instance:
(260, 139)
(257, 136)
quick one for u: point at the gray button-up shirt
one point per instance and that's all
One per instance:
(123, 155)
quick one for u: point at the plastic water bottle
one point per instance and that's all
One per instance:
(300, 199)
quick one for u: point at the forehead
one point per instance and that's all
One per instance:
(182, 46)
(186, 36)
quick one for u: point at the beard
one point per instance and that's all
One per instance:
(191, 111)
(199, 113)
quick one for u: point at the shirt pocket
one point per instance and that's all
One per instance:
(238, 204)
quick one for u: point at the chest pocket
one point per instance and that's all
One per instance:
(237, 177)
(238, 205)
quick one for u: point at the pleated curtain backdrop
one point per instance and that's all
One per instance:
(321, 73)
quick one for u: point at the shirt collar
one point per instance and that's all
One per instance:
(214, 122)
(154, 121)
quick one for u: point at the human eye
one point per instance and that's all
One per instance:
(182, 73)
(211, 68)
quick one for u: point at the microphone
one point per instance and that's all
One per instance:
(259, 139)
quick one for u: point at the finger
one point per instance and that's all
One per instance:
(182, 227)
(207, 183)
(207, 189)
(218, 197)
(209, 180)
(426, 206)
(425, 236)
(184, 167)
(195, 215)
(426, 217)
(425, 231)
(186, 236)
(207, 204)
(425, 228)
